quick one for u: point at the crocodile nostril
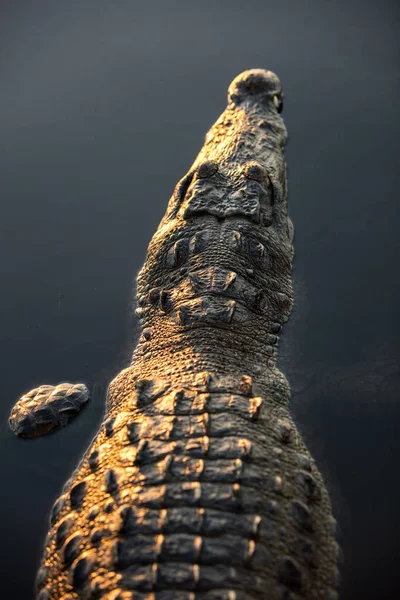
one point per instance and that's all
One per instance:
(207, 169)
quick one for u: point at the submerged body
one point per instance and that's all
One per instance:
(46, 408)
(198, 485)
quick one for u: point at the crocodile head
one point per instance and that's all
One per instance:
(240, 170)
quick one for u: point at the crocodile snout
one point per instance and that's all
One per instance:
(256, 84)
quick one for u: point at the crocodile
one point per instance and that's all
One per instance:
(198, 485)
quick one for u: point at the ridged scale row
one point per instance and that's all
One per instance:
(186, 505)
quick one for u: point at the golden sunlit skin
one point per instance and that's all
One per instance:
(198, 485)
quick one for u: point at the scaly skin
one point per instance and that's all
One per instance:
(198, 485)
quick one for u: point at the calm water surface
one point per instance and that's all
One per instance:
(103, 107)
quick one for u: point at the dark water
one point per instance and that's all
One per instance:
(103, 107)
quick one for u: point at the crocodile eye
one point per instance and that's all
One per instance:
(207, 169)
(255, 171)
(278, 102)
